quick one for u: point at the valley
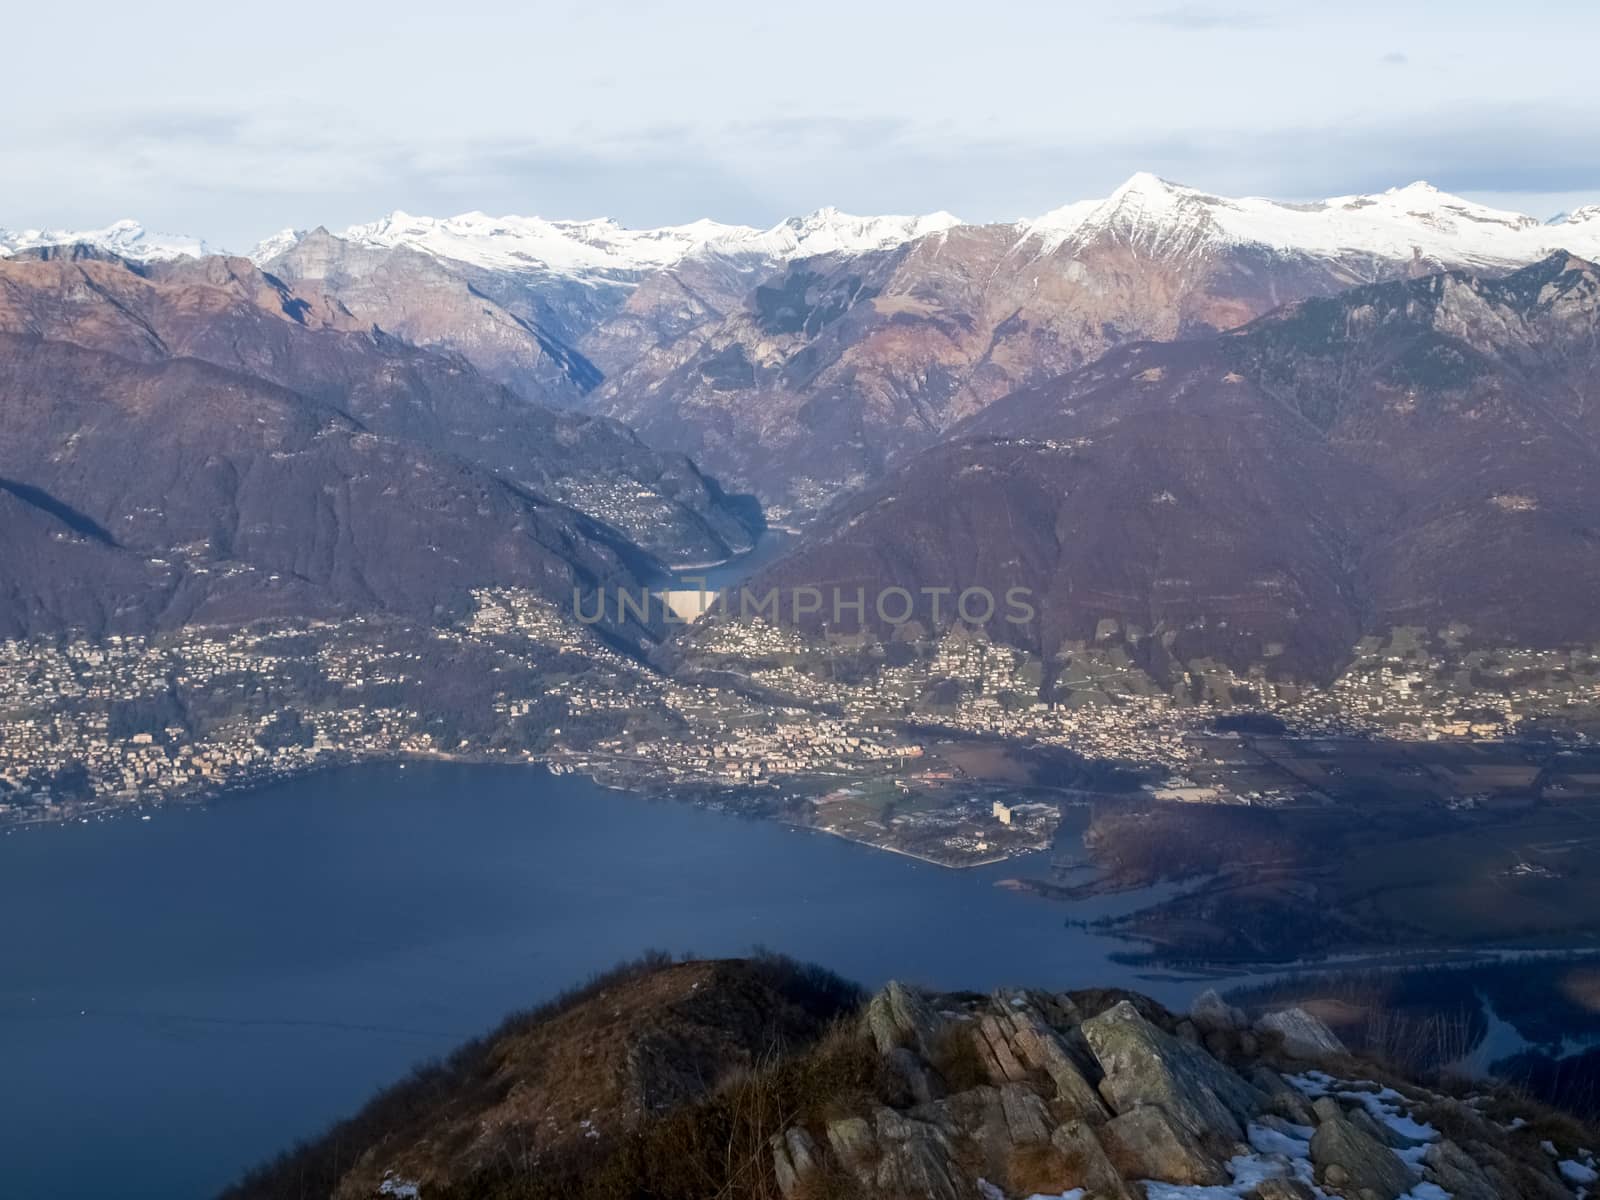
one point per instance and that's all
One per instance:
(851, 602)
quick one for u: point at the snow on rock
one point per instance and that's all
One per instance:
(279, 243)
(1279, 1151)
(1383, 1104)
(126, 239)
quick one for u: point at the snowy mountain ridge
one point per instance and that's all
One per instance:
(1418, 220)
(126, 239)
(602, 248)
(1149, 213)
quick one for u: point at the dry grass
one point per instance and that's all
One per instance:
(956, 1057)
(1037, 1168)
(643, 1040)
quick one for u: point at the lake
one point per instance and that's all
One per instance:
(184, 996)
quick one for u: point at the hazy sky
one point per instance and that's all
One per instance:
(231, 121)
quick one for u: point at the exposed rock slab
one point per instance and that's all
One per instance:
(1145, 1143)
(1304, 1036)
(1145, 1066)
(1353, 1161)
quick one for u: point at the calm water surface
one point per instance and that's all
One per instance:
(184, 996)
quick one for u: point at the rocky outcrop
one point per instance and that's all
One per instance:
(899, 1017)
(1145, 1143)
(1458, 1172)
(1116, 1103)
(1303, 1035)
(1025, 1095)
(1143, 1065)
(794, 1156)
(1212, 1014)
(1087, 1162)
(1354, 1162)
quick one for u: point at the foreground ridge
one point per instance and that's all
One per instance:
(765, 1079)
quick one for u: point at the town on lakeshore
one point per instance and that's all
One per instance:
(953, 751)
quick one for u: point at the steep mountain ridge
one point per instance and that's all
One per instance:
(782, 1083)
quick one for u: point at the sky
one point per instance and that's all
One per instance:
(231, 121)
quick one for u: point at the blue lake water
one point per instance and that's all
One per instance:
(184, 996)
(769, 547)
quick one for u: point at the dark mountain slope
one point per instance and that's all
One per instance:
(57, 571)
(246, 500)
(1421, 452)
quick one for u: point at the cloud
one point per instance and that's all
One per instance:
(1395, 58)
(1201, 18)
(234, 177)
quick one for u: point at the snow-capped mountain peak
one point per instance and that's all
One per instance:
(269, 248)
(829, 231)
(1146, 210)
(1589, 214)
(1173, 220)
(127, 239)
(595, 247)
(601, 248)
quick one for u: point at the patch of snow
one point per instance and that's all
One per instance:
(1273, 1141)
(401, 1189)
(126, 239)
(1576, 1172)
(1277, 1155)
(1383, 1104)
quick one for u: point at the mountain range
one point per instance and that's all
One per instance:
(1421, 452)
(1239, 429)
(194, 441)
(801, 360)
